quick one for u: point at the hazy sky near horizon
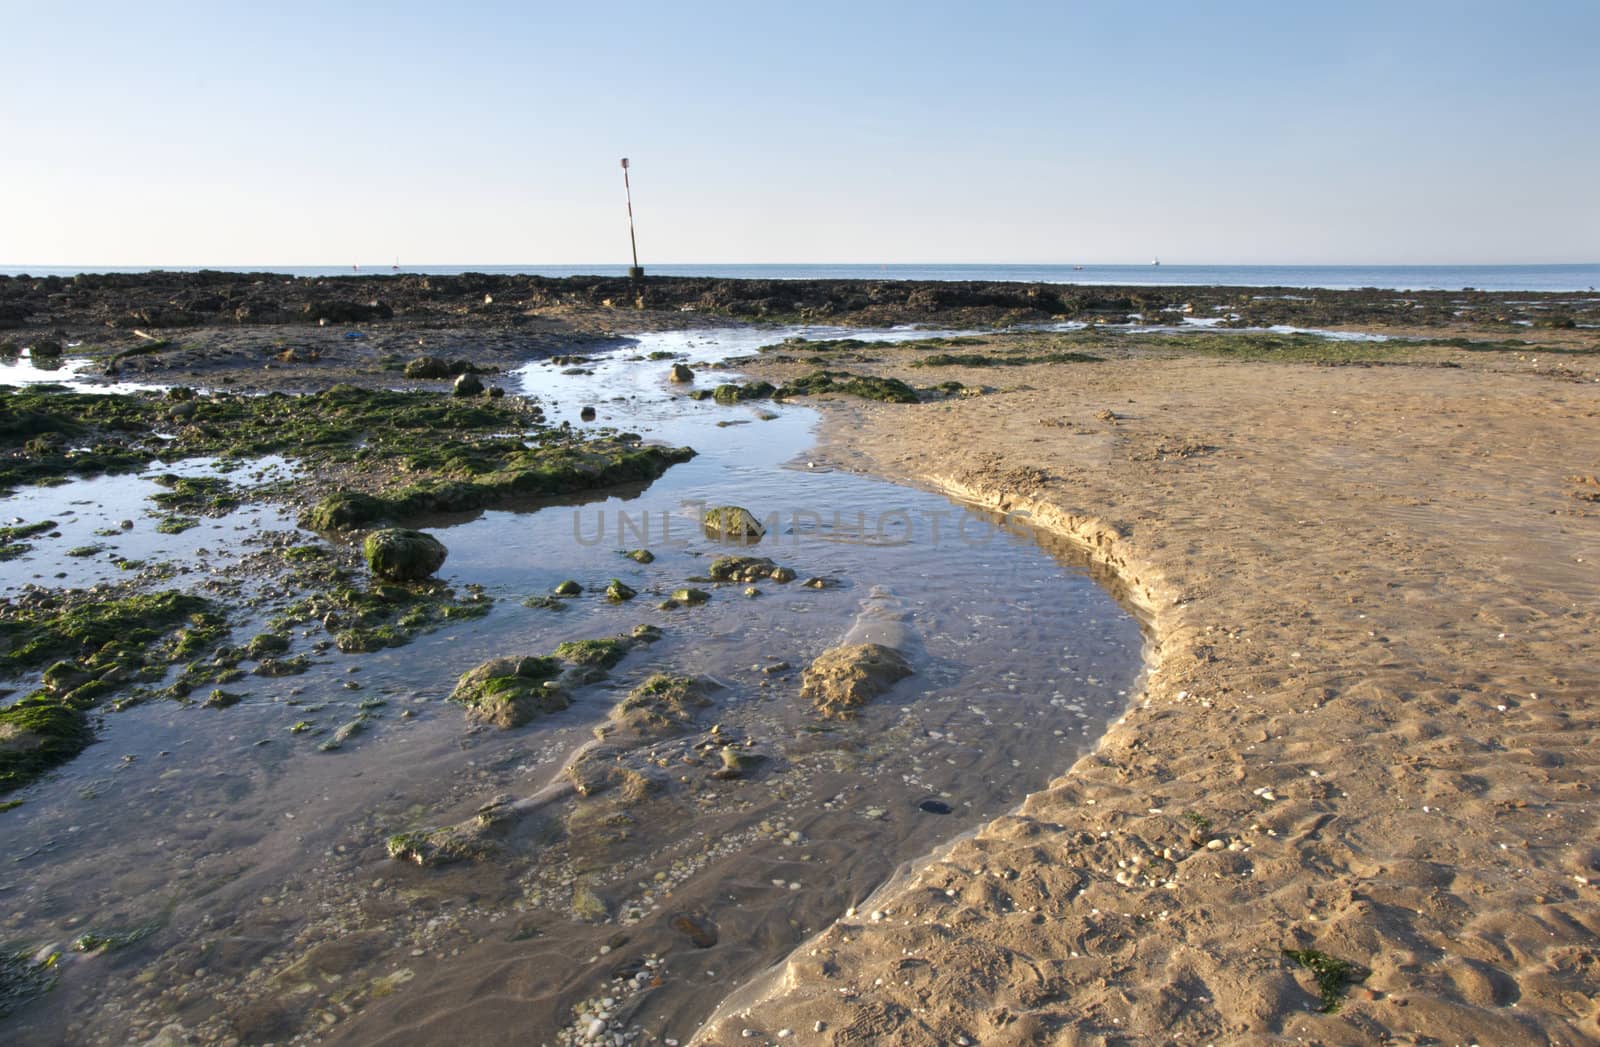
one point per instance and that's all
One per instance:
(301, 133)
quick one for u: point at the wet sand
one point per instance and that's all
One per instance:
(1367, 729)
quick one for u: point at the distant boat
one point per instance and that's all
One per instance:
(1077, 268)
(1155, 261)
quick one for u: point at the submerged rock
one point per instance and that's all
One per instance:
(698, 928)
(689, 597)
(401, 555)
(618, 592)
(568, 588)
(844, 678)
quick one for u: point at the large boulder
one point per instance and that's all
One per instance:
(844, 678)
(681, 374)
(467, 385)
(510, 691)
(400, 555)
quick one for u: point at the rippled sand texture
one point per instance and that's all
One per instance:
(1375, 690)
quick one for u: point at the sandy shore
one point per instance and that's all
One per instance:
(1367, 727)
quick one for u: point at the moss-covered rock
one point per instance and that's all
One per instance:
(618, 592)
(663, 704)
(868, 387)
(431, 847)
(602, 654)
(342, 511)
(730, 393)
(400, 555)
(36, 736)
(511, 691)
(731, 523)
(742, 569)
(844, 678)
(687, 597)
(267, 643)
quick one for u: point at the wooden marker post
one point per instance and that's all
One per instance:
(636, 273)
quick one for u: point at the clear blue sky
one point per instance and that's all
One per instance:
(290, 133)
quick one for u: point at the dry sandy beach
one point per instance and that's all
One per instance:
(1366, 728)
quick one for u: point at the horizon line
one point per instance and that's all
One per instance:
(268, 266)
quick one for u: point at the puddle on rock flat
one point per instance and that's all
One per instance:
(253, 863)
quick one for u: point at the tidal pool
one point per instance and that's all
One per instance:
(238, 869)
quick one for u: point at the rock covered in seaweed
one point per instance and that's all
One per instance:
(844, 678)
(731, 522)
(510, 691)
(401, 555)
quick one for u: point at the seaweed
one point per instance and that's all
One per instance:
(1333, 975)
(22, 978)
(600, 653)
(868, 387)
(986, 360)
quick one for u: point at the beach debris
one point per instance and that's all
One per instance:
(400, 555)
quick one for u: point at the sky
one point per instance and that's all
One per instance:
(293, 133)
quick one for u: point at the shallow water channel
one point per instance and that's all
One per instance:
(246, 867)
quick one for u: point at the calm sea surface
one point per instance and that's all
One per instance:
(1580, 277)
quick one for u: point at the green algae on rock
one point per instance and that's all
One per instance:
(732, 393)
(37, 735)
(457, 454)
(399, 555)
(731, 522)
(599, 653)
(868, 387)
(511, 691)
(662, 704)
